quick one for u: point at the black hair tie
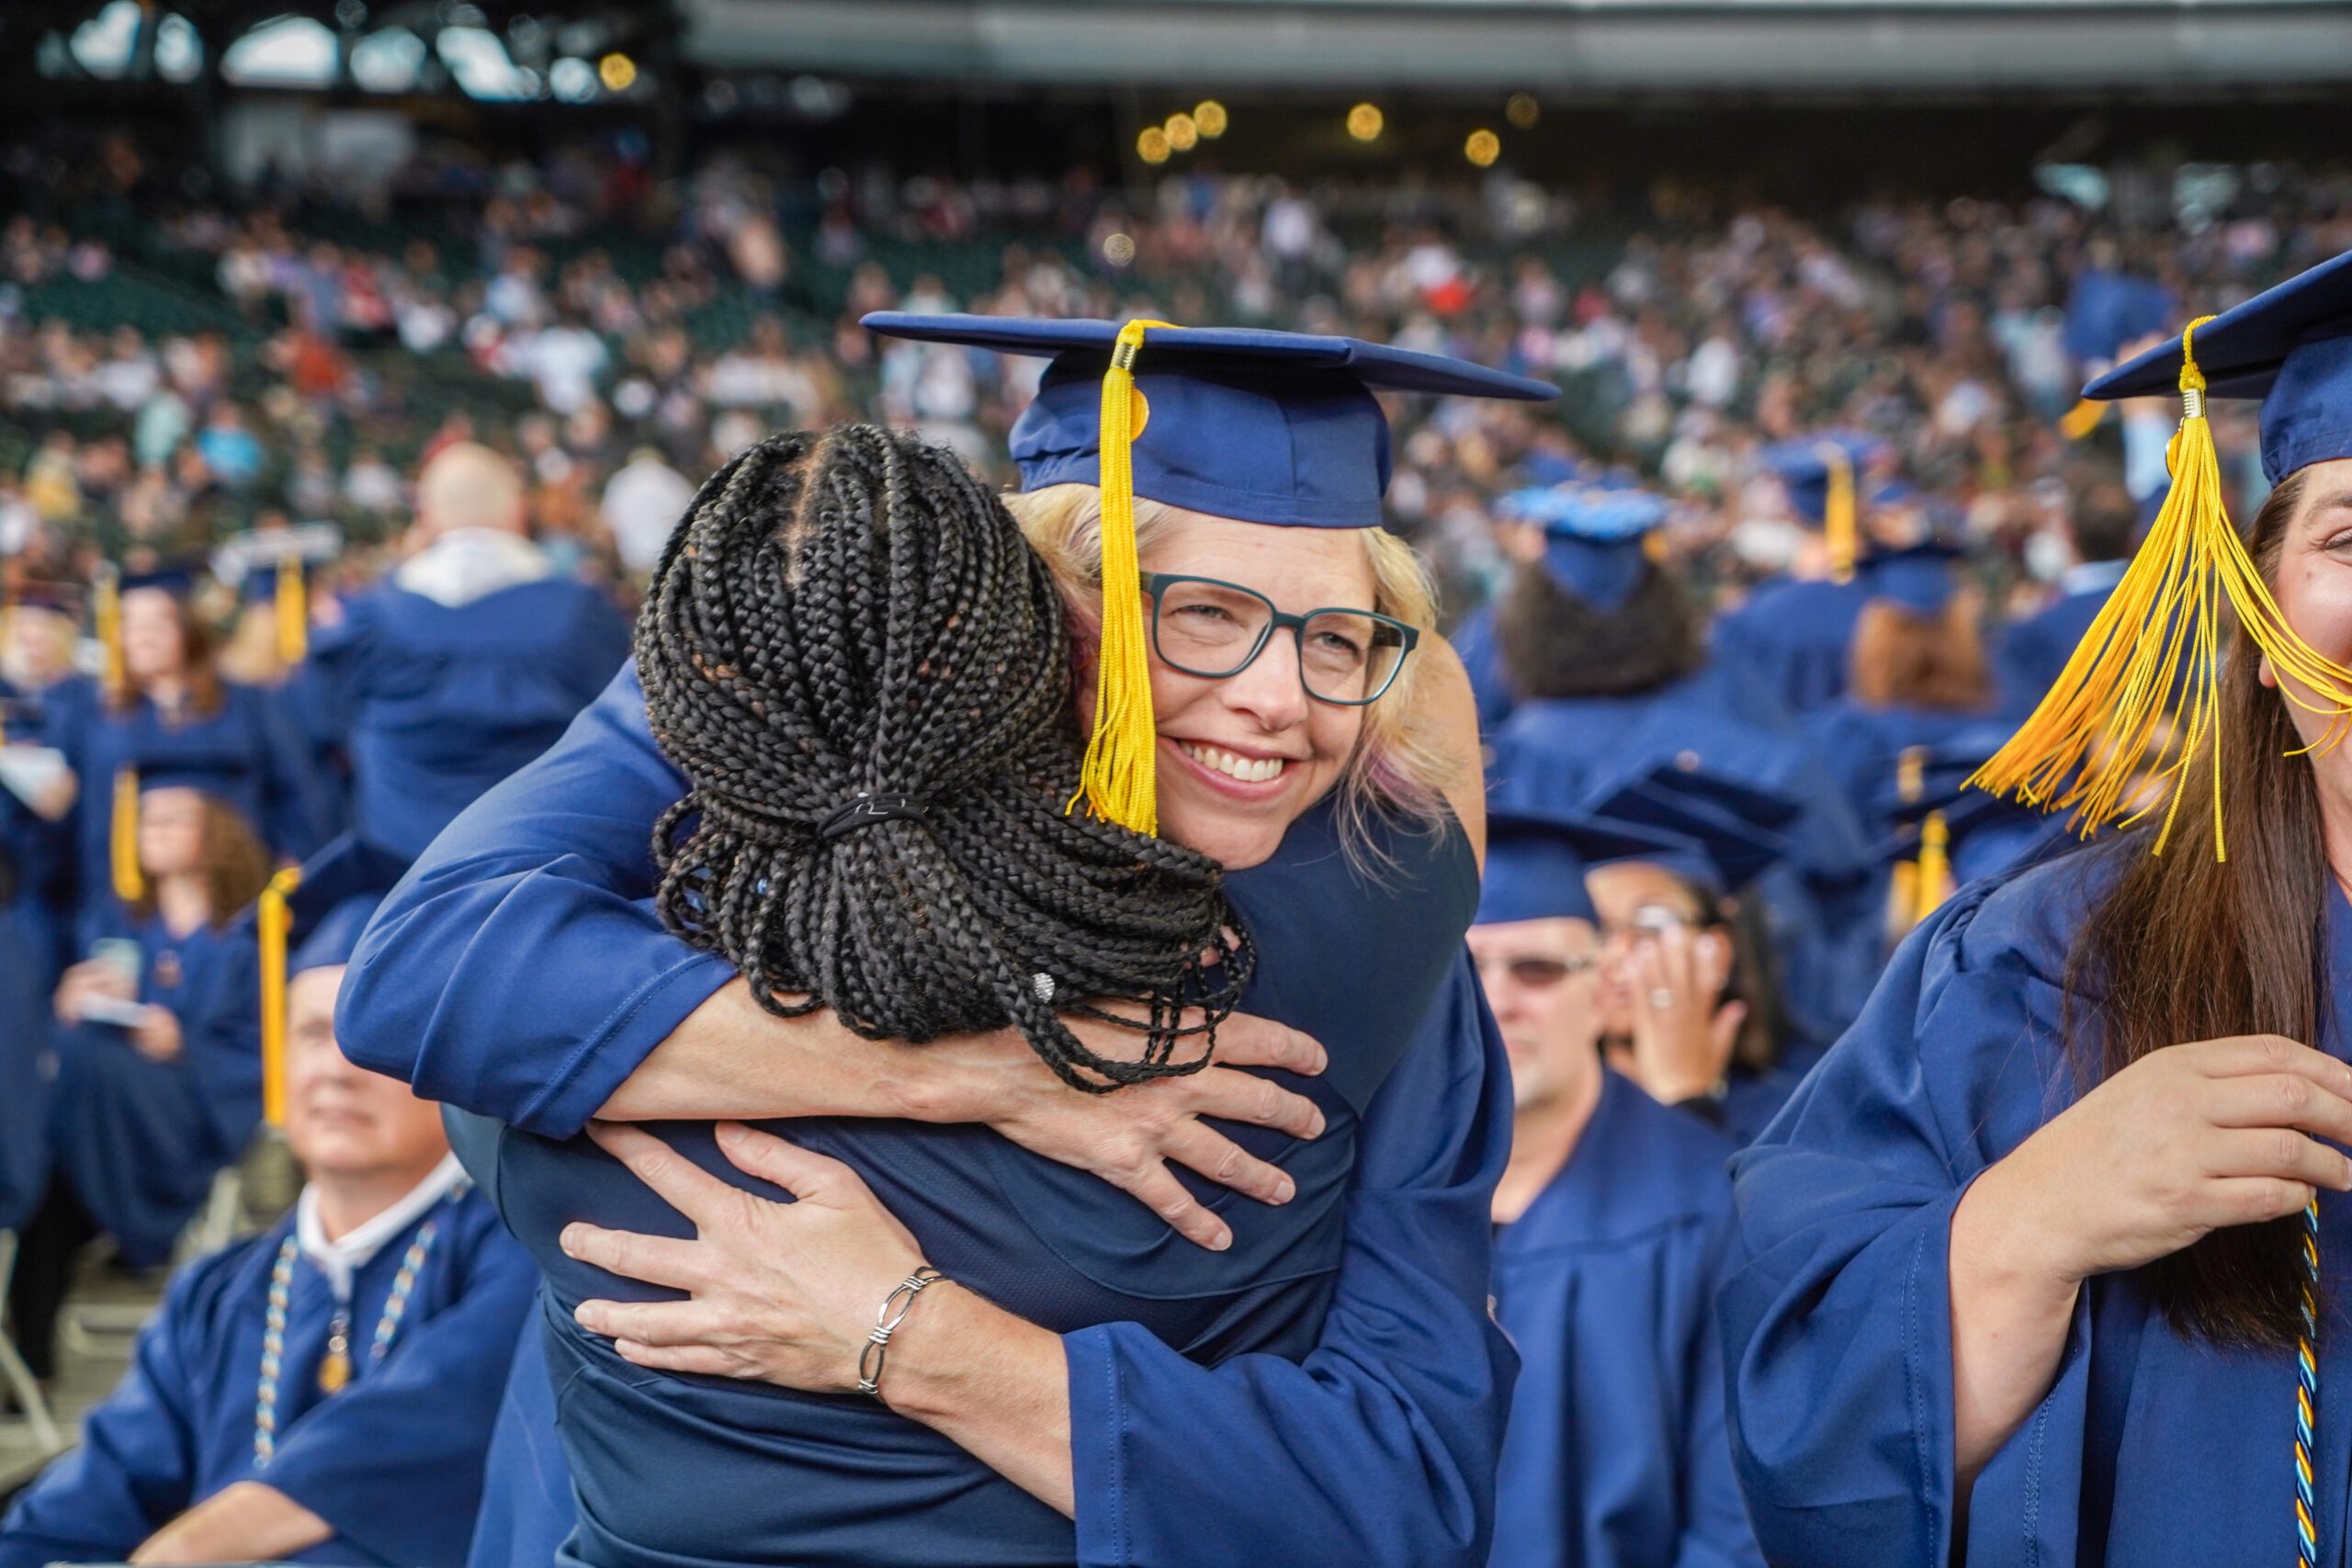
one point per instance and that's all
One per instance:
(867, 809)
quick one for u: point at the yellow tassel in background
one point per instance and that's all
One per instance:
(274, 920)
(2082, 419)
(1933, 884)
(1118, 779)
(123, 837)
(2106, 729)
(1841, 528)
(105, 620)
(293, 612)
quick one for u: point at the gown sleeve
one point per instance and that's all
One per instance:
(519, 971)
(296, 813)
(1837, 1326)
(394, 1462)
(1381, 1448)
(136, 1467)
(1715, 1531)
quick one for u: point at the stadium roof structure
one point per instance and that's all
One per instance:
(1593, 46)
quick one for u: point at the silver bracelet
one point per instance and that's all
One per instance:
(885, 1324)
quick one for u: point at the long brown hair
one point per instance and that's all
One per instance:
(236, 866)
(2186, 947)
(199, 667)
(1934, 661)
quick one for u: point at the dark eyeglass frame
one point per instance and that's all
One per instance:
(1539, 972)
(1407, 637)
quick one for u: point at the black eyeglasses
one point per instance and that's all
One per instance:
(1536, 971)
(1214, 629)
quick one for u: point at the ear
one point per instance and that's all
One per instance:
(2263, 673)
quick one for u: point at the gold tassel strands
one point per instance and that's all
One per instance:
(2112, 726)
(293, 612)
(274, 921)
(1841, 527)
(1118, 779)
(123, 837)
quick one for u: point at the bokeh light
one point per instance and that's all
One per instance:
(1151, 146)
(1183, 133)
(616, 72)
(1483, 148)
(1522, 111)
(1209, 114)
(1365, 122)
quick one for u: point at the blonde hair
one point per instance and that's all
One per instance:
(1400, 764)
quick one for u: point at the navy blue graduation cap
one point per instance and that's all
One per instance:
(1595, 536)
(1918, 577)
(1536, 862)
(1734, 826)
(1279, 428)
(58, 598)
(2108, 310)
(2291, 346)
(227, 776)
(1808, 466)
(2104, 728)
(178, 580)
(1259, 426)
(1934, 813)
(318, 908)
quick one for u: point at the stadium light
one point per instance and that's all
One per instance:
(388, 61)
(616, 72)
(1483, 148)
(1209, 116)
(1522, 111)
(1151, 146)
(1183, 133)
(292, 52)
(102, 46)
(1118, 249)
(573, 80)
(1365, 122)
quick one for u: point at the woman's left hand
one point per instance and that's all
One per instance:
(1682, 1040)
(781, 1292)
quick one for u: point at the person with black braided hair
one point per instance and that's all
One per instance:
(1320, 1382)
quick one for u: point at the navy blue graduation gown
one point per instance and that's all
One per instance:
(142, 1139)
(527, 1504)
(440, 703)
(1561, 753)
(1863, 746)
(394, 1462)
(2150, 1450)
(1331, 1389)
(1616, 1456)
(253, 740)
(2033, 652)
(40, 851)
(1796, 636)
(24, 1024)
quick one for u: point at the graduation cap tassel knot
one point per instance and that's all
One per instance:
(2112, 724)
(1840, 528)
(274, 921)
(1117, 780)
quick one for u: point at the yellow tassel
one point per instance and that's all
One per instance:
(1911, 774)
(1934, 883)
(123, 837)
(1118, 778)
(1838, 525)
(293, 612)
(105, 620)
(2082, 419)
(1902, 900)
(2111, 725)
(274, 921)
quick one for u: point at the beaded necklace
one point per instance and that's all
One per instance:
(334, 1369)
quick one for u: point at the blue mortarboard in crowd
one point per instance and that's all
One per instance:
(1807, 464)
(225, 775)
(178, 580)
(2291, 346)
(1536, 862)
(333, 898)
(2108, 310)
(1732, 829)
(1259, 426)
(1918, 577)
(60, 598)
(1594, 536)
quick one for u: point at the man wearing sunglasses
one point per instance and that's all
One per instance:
(1613, 1231)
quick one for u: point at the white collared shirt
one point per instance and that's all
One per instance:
(340, 1259)
(2092, 577)
(466, 564)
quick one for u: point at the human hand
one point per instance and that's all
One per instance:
(780, 1293)
(91, 978)
(1127, 1137)
(2182, 1142)
(244, 1521)
(1682, 1040)
(157, 1036)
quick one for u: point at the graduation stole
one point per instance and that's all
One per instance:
(2111, 725)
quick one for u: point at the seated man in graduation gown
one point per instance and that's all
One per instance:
(465, 664)
(324, 1393)
(1613, 1229)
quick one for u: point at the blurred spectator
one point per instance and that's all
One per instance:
(643, 502)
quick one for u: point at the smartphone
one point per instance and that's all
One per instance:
(121, 954)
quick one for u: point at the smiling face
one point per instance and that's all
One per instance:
(2313, 584)
(1241, 758)
(342, 1119)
